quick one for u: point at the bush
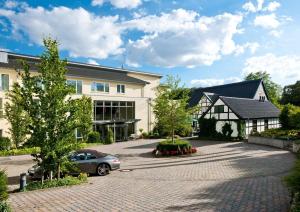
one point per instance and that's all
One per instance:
(67, 181)
(94, 137)
(145, 135)
(280, 134)
(168, 145)
(4, 207)
(241, 128)
(5, 143)
(290, 117)
(226, 130)
(24, 151)
(109, 137)
(3, 186)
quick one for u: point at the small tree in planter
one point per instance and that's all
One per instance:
(171, 107)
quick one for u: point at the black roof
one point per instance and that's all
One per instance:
(250, 108)
(79, 70)
(245, 89)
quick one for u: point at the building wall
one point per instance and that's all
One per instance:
(142, 95)
(260, 93)
(273, 123)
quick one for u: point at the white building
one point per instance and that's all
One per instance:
(246, 101)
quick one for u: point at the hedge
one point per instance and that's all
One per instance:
(280, 134)
(24, 151)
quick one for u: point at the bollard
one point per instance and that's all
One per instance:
(22, 181)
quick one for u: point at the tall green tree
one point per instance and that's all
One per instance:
(171, 107)
(53, 114)
(273, 90)
(291, 94)
(16, 116)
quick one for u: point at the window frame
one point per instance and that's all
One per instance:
(120, 90)
(76, 85)
(1, 82)
(217, 109)
(105, 85)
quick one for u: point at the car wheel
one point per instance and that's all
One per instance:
(102, 169)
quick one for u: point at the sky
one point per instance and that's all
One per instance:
(204, 42)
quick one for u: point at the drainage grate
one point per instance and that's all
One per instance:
(125, 170)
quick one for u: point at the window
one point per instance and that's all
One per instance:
(4, 82)
(115, 110)
(101, 87)
(78, 134)
(90, 156)
(76, 84)
(80, 156)
(266, 124)
(120, 88)
(1, 108)
(219, 109)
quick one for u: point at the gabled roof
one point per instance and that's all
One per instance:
(245, 89)
(251, 108)
(82, 70)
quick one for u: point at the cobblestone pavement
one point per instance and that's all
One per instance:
(220, 177)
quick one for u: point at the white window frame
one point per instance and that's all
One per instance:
(76, 85)
(104, 87)
(120, 91)
(1, 88)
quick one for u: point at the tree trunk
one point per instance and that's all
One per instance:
(58, 171)
(173, 136)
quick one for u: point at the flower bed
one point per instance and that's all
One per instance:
(178, 147)
(280, 134)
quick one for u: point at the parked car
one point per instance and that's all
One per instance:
(88, 161)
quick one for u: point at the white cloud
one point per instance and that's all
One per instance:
(283, 69)
(183, 38)
(10, 4)
(267, 21)
(272, 6)
(213, 81)
(92, 62)
(259, 6)
(119, 3)
(78, 31)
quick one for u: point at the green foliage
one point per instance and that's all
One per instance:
(273, 90)
(54, 115)
(16, 116)
(23, 151)
(109, 137)
(94, 137)
(3, 186)
(291, 94)
(145, 135)
(280, 134)
(290, 117)
(241, 128)
(84, 113)
(207, 127)
(293, 183)
(226, 130)
(171, 107)
(5, 143)
(4, 207)
(169, 145)
(67, 181)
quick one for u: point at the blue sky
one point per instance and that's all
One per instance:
(204, 42)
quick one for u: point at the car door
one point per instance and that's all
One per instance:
(92, 162)
(81, 160)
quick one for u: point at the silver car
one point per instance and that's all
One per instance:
(88, 161)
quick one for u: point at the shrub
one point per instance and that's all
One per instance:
(290, 117)
(207, 127)
(109, 137)
(226, 130)
(145, 135)
(241, 128)
(24, 151)
(280, 134)
(3, 186)
(4, 207)
(67, 181)
(5, 143)
(94, 137)
(178, 145)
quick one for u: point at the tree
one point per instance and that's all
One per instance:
(171, 107)
(16, 116)
(273, 90)
(54, 115)
(291, 94)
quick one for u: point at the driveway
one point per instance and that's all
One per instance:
(220, 177)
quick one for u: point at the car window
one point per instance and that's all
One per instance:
(80, 156)
(90, 156)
